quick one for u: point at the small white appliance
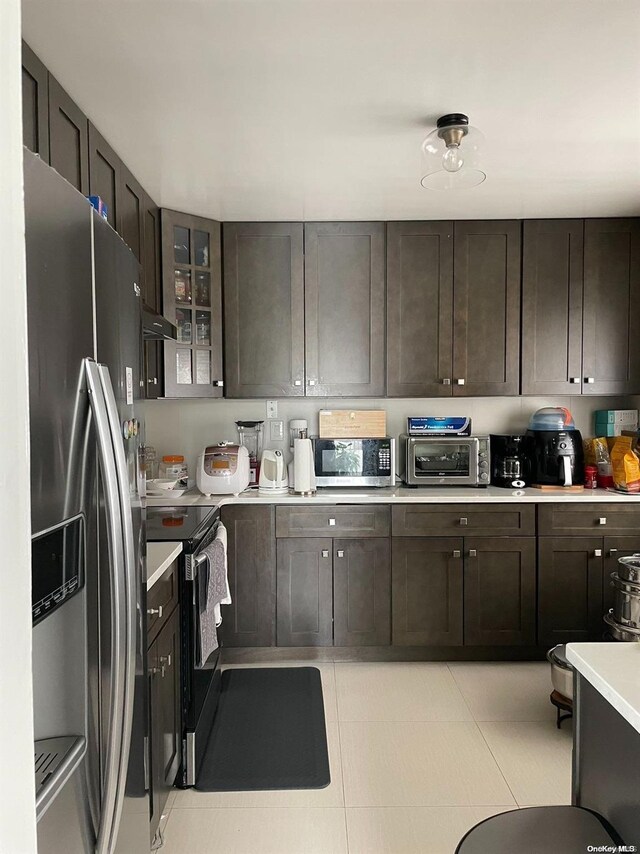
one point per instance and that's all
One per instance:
(223, 469)
(274, 479)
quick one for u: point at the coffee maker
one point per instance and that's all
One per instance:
(554, 448)
(509, 462)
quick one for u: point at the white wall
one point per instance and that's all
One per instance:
(17, 813)
(187, 426)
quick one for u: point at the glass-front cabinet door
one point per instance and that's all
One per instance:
(192, 300)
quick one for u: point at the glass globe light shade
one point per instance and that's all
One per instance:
(451, 156)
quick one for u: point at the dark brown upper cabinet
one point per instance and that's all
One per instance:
(152, 280)
(68, 138)
(192, 299)
(486, 308)
(131, 212)
(419, 309)
(104, 174)
(264, 309)
(344, 275)
(611, 346)
(552, 273)
(35, 104)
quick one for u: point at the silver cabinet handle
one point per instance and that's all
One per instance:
(602, 520)
(332, 522)
(152, 611)
(311, 382)
(589, 379)
(165, 661)
(325, 552)
(297, 382)
(613, 552)
(464, 521)
(153, 671)
(597, 552)
(340, 553)
(218, 383)
(473, 553)
(456, 553)
(460, 381)
(446, 381)
(574, 380)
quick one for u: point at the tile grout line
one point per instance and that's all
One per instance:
(344, 798)
(495, 759)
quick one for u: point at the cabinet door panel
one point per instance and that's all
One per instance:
(251, 555)
(104, 175)
(35, 104)
(305, 594)
(552, 306)
(131, 212)
(486, 300)
(426, 591)
(263, 309)
(68, 143)
(611, 348)
(570, 604)
(152, 282)
(500, 591)
(361, 592)
(419, 308)
(614, 548)
(344, 309)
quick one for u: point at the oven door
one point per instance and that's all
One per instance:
(353, 462)
(447, 461)
(200, 686)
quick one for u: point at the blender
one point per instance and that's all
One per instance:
(250, 435)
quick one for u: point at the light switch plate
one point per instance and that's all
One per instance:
(272, 409)
(277, 431)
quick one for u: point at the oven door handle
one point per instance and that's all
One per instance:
(191, 566)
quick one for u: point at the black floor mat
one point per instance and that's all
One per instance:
(269, 732)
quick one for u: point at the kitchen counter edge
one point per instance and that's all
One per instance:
(160, 556)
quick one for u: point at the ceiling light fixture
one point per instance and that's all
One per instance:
(450, 155)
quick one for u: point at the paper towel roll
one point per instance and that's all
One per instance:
(303, 468)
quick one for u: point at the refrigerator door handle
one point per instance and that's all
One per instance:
(129, 598)
(108, 812)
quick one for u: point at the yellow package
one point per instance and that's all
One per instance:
(596, 451)
(625, 465)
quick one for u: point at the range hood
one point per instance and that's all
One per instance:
(155, 327)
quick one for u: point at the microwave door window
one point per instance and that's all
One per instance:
(434, 459)
(342, 459)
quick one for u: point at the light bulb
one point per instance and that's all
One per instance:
(452, 160)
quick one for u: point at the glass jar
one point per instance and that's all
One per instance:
(150, 462)
(173, 467)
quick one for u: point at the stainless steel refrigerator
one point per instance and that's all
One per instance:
(88, 533)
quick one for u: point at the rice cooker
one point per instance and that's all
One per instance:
(223, 469)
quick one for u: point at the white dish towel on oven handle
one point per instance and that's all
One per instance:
(221, 536)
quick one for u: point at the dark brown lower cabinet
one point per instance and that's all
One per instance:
(361, 592)
(251, 555)
(570, 602)
(305, 592)
(500, 591)
(426, 591)
(165, 722)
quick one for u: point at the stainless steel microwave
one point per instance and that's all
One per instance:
(355, 462)
(445, 460)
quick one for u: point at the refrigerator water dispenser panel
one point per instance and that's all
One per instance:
(57, 567)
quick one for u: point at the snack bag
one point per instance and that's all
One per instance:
(626, 465)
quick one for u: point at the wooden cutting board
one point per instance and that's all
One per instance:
(549, 488)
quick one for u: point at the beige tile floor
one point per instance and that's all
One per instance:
(419, 753)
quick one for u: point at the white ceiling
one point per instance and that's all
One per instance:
(315, 109)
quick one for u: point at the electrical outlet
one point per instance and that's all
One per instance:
(277, 431)
(272, 409)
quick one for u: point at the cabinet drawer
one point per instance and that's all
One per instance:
(329, 521)
(574, 520)
(161, 600)
(498, 520)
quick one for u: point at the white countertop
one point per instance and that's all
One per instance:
(159, 557)
(402, 495)
(614, 671)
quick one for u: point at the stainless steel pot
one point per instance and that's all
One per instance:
(629, 568)
(619, 632)
(561, 671)
(626, 603)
